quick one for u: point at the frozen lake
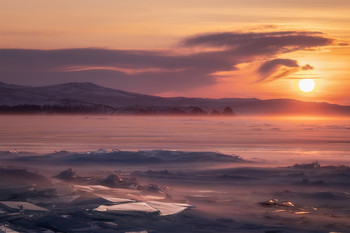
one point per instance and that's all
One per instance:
(273, 139)
(101, 191)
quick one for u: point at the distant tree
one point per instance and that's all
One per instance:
(176, 111)
(198, 111)
(214, 113)
(228, 111)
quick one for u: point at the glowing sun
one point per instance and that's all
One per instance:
(307, 85)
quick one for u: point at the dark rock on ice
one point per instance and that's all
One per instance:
(68, 175)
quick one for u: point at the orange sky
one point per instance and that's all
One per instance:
(159, 25)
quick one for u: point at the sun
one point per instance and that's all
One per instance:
(307, 85)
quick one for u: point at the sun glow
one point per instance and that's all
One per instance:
(307, 85)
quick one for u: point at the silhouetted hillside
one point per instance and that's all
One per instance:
(88, 98)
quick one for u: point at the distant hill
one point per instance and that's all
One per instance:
(91, 98)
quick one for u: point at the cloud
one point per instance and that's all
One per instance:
(274, 42)
(343, 44)
(277, 68)
(154, 71)
(272, 65)
(137, 70)
(307, 67)
(13, 33)
(280, 68)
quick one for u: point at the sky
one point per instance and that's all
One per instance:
(193, 48)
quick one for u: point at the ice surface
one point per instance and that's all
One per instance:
(15, 205)
(54, 199)
(148, 207)
(136, 232)
(311, 196)
(224, 199)
(128, 207)
(168, 208)
(7, 230)
(292, 144)
(116, 199)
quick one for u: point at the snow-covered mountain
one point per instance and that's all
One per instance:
(75, 92)
(88, 97)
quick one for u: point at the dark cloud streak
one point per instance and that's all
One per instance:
(272, 65)
(300, 40)
(279, 68)
(307, 67)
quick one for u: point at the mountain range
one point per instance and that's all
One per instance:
(91, 98)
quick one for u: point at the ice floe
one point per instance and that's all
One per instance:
(18, 206)
(146, 207)
(168, 208)
(127, 207)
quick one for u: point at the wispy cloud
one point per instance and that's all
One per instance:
(272, 65)
(280, 68)
(277, 68)
(43, 32)
(307, 67)
(261, 42)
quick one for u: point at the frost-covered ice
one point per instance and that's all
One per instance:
(4, 229)
(116, 199)
(285, 140)
(25, 206)
(168, 208)
(128, 207)
(146, 207)
(136, 232)
(237, 199)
